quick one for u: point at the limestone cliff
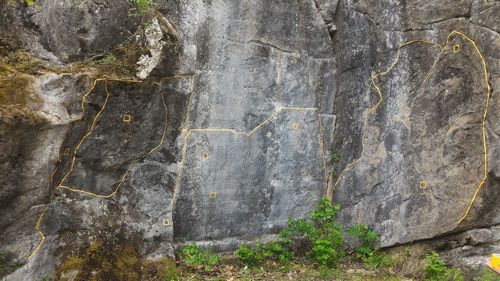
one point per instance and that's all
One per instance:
(217, 120)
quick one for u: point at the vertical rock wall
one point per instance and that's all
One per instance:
(233, 131)
(418, 162)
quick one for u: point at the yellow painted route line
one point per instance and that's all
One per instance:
(373, 108)
(379, 93)
(93, 123)
(483, 126)
(240, 133)
(123, 177)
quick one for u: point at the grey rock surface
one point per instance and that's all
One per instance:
(67, 30)
(232, 132)
(427, 132)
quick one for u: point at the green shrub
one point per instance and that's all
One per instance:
(194, 255)
(325, 252)
(252, 256)
(299, 228)
(276, 251)
(368, 250)
(322, 233)
(248, 256)
(436, 270)
(324, 216)
(140, 6)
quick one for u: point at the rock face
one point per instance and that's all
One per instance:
(413, 169)
(234, 129)
(253, 140)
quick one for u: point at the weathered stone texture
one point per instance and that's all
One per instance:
(258, 94)
(422, 130)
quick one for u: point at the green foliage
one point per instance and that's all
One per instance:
(248, 256)
(487, 275)
(327, 247)
(324, 215)
(322, 233)
(299, 228)
(366, 235)
(253, 256)
(196, 256)
(334, 158)
(140, 7)
(46, 278)
(436, 270)
(368, 250)
(107, 59)
(276, 251)
(377, 260)
(326, 252)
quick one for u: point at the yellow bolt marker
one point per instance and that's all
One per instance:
(67, 151)
(295, 126)
(204, 155)
(213, 194)
(127, 118)
(423, 184)
(303, 172)
(456, 48)
(166, 222)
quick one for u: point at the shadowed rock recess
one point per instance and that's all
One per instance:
(226, 127)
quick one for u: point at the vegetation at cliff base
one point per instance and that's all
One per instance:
(313, 248)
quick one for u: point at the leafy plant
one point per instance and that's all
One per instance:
(323, 234)
(334, 158)
(252, 256)
(368, 250)
(106, 59)
(46, 278)
(325, 252)
(140, 7)
(196, 256)
(436, 270)
(248, 256)
(276, 251)
(324, 216)
(299, 228)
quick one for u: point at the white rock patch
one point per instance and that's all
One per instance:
(147, 63)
